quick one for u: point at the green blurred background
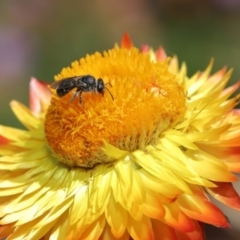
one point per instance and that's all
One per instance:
(39, 38)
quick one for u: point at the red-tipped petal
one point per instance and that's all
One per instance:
(234, 151)
(234, 166)
(217, 77)
(198, 191)
(197, 234)
(126, 41)
(40, 96)
(163, 231)
(6, 230)
(145, 48)
(229, 155)
(236, 112)
(152, 207)
(3, 140)
(175, 218)
(225, 193)
(160, 54)
(202, 210)
(232, 88)
(140, 230)
(234, 142)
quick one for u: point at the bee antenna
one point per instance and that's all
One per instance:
(110, 92)
(108, 84)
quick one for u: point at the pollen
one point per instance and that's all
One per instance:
(147, 100)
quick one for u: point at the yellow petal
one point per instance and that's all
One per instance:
(25, 116)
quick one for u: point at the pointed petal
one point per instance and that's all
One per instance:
(107, 235)
(13, 134)
(40, 96)
(3, 140)
(100, 195)
(145, 48)
(24, 115)
(225, 193)
(116, 217)
(154, 184)
(126, 41)
(217, 77)
(174, 67)
(77, 230)
(199, 191)
(209, 167)
(59, 229)
(202, 210)
(232, 88)
(95, 229)
(9, 150)
(233, 163)
(140, 230)
(160, 54)
(196, 234)
(163, 231)
(236, 112)
(57, 211)
(229, 155)
(113, 152)
(152, 206)
(6, 230)
(175, 218)
(80, 204)
(29, 231)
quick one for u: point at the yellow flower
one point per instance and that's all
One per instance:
(136, 166)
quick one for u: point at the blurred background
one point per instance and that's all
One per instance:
(39, 38)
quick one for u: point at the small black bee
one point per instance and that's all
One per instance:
(85, 83)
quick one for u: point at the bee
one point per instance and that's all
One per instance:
(85, 83)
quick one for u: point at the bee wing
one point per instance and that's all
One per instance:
(63, 82)
(64, 86)
(54, 85)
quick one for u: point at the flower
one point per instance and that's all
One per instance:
(136, 166)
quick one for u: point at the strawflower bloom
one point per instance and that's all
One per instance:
(138, 166)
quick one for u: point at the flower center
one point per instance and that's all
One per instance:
(147, 100)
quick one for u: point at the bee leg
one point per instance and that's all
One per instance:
(73, 96)
(80, 97)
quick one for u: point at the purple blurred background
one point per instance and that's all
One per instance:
(39, 38)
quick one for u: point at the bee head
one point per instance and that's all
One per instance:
(100, 86)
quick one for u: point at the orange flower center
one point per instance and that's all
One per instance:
(147, 100)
